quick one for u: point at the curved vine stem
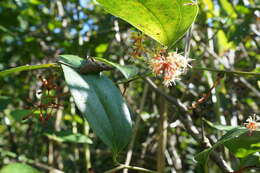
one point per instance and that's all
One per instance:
(244, 73)
(55, 65)
(226, 71)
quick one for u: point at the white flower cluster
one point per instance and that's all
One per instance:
(170, 66)
(252, 123)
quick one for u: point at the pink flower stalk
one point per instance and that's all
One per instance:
(170, 66)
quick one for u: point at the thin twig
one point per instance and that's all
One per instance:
(207, 95)
(226, 71)
(250, 86)
(130, 167)
(135, 130)
(176, 102)
(115, 169)
(138, 76)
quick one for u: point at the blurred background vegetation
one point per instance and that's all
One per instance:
(225, 36)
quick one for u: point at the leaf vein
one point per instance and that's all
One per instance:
(159, 22)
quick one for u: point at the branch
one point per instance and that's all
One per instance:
(136, 127)
(190, 127)
(147, 74)
(251, 87)
(138, 76)
(142, 75)
(177, 102)
(226, 71)
(130, 167)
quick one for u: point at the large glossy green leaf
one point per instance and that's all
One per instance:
(102, 104)
(18, 168)
(166, 21)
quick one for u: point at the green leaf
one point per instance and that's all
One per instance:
(72, 61)
(227, 6)
(165, 21)
(244, 145)
(224, 128)
(4, 29)
(4, 153)
(209, 4)
(18, 168)
(4, 101)
(25, 68)
(219, 127)
(202, 157)
(68, 136)
(237, 140)
(253, 159)
(127, 70)
(18, 115)
(101, 103)
(76, 62)
(223, 43)
(75, 118)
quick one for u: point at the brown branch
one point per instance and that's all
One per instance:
(208, 94)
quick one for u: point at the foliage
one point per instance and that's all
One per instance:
(18, 168)
(101, 103)
(164, 21)
(41, 40)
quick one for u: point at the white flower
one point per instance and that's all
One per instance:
(252, 123)
(170, 65)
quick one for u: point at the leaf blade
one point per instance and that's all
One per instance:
(127, 70)
(102, 104)
(18, 168)
(26, 68)
(202, 157)
(68, 136)
(164, 21)
(76, 83)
